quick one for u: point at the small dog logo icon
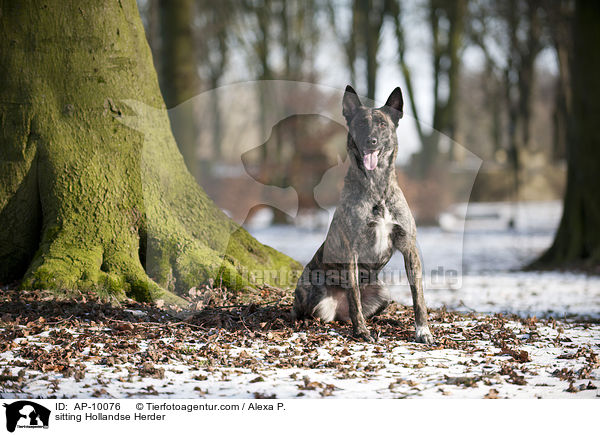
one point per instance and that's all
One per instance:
(26, 414)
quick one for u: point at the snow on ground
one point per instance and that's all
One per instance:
(477, 356)
(488, 344)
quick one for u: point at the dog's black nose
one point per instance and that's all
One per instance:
(373, 141)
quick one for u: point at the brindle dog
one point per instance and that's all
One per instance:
(371, 222)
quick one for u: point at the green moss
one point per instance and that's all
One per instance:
(140, 290)
(113, 284)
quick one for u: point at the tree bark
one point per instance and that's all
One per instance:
(85, 201)
(577, 240)
(446, 64)
(373, 15)
(179, 80)
(179, 77)
(560, 15)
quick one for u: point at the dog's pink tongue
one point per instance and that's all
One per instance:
(370, 160)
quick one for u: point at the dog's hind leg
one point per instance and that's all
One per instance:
(412, 263)
(312, 300)
(375, 298)
(299, 308)
(302, 297)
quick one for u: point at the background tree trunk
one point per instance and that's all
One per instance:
(103, 207)
(212, 45)
(178, 76)
(447, 44)
(560, 14)
(577, 241)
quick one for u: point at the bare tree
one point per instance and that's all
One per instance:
(178, 76)
(361, 38)
(212, 40)
(446, 22)
(559, 15)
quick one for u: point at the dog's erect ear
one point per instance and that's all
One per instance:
(394, 105)
(350, 103)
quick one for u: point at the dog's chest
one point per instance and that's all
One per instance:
(382, 226)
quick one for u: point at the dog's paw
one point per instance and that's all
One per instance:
(364, 335)
(423, 335)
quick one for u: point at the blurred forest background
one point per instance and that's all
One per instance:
(490, 77)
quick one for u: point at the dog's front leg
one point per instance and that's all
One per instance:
(359, 325)
(412, 264)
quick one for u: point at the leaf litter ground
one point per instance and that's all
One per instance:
(227, 349)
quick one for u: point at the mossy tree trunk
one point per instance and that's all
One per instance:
(577, 241)
(87, 202)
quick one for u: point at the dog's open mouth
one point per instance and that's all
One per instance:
(370, 160)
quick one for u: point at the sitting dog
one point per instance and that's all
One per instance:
(371, 222)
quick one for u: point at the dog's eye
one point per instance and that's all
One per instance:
(382, 123)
